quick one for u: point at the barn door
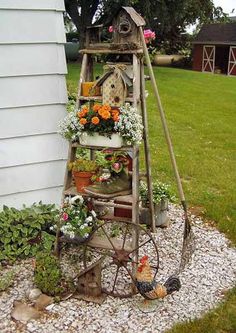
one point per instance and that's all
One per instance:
(208, 59)
(232, 61)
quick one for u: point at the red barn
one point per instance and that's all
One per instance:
(215, 49)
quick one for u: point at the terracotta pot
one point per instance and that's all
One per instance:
(82, 180)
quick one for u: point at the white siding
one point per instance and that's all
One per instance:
(41, 59)
(40, 120)
(32, 90)
(32, 149)
(48, 195)
(29, 26)
(32, 4)
(32, 101)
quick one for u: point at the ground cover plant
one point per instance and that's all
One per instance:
(25, 232)
(200, 110)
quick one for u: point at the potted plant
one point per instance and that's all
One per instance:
(83, 170)
(102, 125)
(162, 195)
(77, 219)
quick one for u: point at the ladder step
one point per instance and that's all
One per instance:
(126, 148)
(99, 98)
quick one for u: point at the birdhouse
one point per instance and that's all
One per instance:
(126, 27)
(115, 84)
(93, 35)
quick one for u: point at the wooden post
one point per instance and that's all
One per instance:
(147, 149)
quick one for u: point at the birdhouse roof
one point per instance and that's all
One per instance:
(138, 20)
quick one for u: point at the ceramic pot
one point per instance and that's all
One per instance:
(97, 140)
(82, 180)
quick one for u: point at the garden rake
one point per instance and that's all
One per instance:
(187, 248)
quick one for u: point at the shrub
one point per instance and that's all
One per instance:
(24, 232)
(48, 275)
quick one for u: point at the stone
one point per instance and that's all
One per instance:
(23, 312)
(43, 301)
(33, 294)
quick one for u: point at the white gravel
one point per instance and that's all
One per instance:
(205, 280)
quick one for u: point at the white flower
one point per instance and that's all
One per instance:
(89, 218)
(93, 214)
(77, 197)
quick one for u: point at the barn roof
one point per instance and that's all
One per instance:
(138, 20)
(217, 33)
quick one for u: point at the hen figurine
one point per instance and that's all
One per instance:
(148, 286)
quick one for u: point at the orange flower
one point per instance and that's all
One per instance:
(106, 107)
(85, 109)
(83, 121)
(105, 115)
(116, 118)
(115, 113)
(95, 120)
(96, 107)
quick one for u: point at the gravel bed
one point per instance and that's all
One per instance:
(205, 280)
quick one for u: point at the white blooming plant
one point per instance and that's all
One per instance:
(124, 121)
(77, 219)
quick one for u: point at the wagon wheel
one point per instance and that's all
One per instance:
(114, 243)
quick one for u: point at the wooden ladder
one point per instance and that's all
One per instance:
(138, 100)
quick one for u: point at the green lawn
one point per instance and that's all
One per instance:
(201, 114)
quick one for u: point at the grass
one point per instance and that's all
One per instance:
(200, 110)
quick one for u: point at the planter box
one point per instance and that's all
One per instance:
(161, 215)
(98, 140)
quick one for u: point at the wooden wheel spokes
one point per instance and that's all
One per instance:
(113, 242)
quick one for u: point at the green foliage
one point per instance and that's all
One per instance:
(160, 192)
(48, 274)
(6, 279)
(23, 232)
(70, 36)
(220, 320)
(83, 165)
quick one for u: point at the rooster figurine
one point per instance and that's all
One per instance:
(148, 286)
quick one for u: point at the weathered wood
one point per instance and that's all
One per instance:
(147, 149)
(138, 19)
(103, 243)
(163, 119)
(99, 98)
(136, 81)
(124, 148)
(110, 51)
(89, 281)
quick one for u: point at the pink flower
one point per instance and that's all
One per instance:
(110, 29)
(149, 35)
(116, 166)
(65, 216)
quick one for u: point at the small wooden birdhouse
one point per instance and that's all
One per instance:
(115, 84)
(93, 35)
(126, 27)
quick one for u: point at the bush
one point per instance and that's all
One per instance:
(70, 36)
(24, 232)
(48, 276)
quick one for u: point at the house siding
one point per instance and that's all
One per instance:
(32, 101)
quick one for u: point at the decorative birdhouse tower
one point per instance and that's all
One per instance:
(126, 27)
(115, 84)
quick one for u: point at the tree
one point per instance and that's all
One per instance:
(168, 18)
(81, 13)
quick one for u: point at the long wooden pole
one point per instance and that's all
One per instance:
(163, 119)
(187, 225)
